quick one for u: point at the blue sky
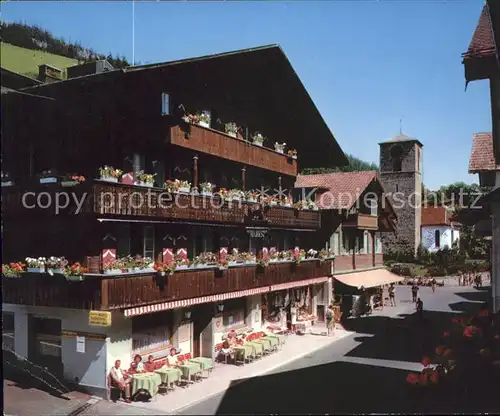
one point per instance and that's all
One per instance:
(365, 64)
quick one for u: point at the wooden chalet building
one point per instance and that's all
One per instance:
(241, 247)
(482, 62)
(355, 212)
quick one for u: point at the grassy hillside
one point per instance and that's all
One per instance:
(26, 61)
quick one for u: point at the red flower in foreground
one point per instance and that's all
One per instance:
(426, 361)
(413, 378)
(434, 377)
(423, 378)
(472, 331)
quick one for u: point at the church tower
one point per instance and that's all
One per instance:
(401, 175)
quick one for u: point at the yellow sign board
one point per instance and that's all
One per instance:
(100, 318)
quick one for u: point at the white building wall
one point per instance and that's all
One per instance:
(87, 369)
(429, 237)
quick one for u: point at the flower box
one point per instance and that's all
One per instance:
(315, 208)
(184, 190)
(205, 193)
(181, 267)
(257, 143)
(69, 183)
(35, 269)
(145, 184)
(75, 278)
(51, 271)
(232, 134)
(48, 180)
(7, 183)
(252, 200)
(109, 179)
(287, 205)
(273, 203)
(113, 271)
(204, 124)
(280, 147)
(294, 157)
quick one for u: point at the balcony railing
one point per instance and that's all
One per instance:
(107, 293)
(362, 222)
(219, 144)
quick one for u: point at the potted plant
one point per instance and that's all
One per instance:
(292, 153)
(181, 263)
(145, 179)
(302, 205)
(223, 193)
(6, 181)
(75, 272)
(251, 196)
(258, 139)
(48, 176)
(222, 265)
(184, 187)
(273, 201)
(249, 258)
(231, 129)
(312, 205)
(113, 267)
(235, 195)
(165, 269)
(13, 269)
(279, 147)
(56, 265)
(287, 202)
(190, 118)
(261, 263)
(311, 254)
(207, 188)
(109, 174)
(35, 265)
(204, 118)
(72, 180)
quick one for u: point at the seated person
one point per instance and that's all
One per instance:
(150, 365)
(120, 379)
(172, 360)
(227, 350)
(137, 366)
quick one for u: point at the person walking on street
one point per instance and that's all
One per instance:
(329, 315)
(433, 284)
(420, 309)
(392, 294)
(414, 291)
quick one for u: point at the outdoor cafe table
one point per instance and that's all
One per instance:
(280, 339)
(149, 382)
(189, 369)
(266, 343)
(168, 375)
(244, 351)
(257, 348)
(272, 341)
(204, 362)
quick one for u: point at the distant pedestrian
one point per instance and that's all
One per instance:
(414, 292)
(392, 294)
(420, 309)
(329, 315)
(433, 284)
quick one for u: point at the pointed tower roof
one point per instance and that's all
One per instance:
(400, 138)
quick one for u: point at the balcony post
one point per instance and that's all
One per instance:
(243, 179)
(195, 173)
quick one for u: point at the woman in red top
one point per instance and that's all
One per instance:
(150, 365)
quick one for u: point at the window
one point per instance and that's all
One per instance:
(346, 243)
(397, 188)
(334, 243)
(149, 242)
(371, 205)
(378, 243)
(165, 104)
(151, 331)
(8, 330)
(122, 235)
(234, 313)
(368, 242)
(360, 243)
(437, 239)
(397, 158)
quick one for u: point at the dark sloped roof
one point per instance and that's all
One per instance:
(483, 40)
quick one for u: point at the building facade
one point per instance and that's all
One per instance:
(186, 222)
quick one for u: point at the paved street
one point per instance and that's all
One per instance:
(364, 373)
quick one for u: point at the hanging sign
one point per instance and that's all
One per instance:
(100, 318)
(257, 233)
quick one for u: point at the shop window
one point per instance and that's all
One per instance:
(234, 313)
(151, 331)
(8, 331)
(149, 242)
(47, 337)
(122, 235)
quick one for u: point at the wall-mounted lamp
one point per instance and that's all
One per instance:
(220, 307)
(187, 314)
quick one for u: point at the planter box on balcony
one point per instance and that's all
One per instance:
(48, 180)
(205, 193)
(69, 183)
(232, 134)
(251, 200)
(144, 184)
(204, 124)
(52, 271)
(257, 144)
(75, 278)
(184, 190)
(35, 269)
(182, 267)
(109, 179)
(113, 271)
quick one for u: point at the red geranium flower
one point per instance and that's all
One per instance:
(423, 378)
(472, 331)
(413, 378)
(440, 349)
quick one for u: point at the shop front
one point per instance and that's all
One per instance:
(152, 334)
(230, 316)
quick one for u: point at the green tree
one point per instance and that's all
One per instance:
(355, 164)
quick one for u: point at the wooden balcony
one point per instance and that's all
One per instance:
(116, 292)
(219, 144)
(361, 221)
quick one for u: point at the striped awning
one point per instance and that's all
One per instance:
(185, 303)
(291, 285)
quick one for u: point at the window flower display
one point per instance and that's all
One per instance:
(75, 272)
(279, 147)
(110, 174)
(231, 129)
(251, 196)
(35, 265)
(292, 153)
(207, 188)
(235, 195)
(177, 186)
(13, 269)
(258, 139)
(56, 265)
(145, 179)
(6, 181)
